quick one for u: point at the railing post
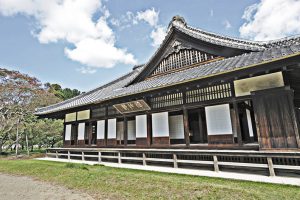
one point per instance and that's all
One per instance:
(175, 160)
(69, 156)
(216, 166)
(119, 158)
(56, 154)
(271, 167)
(144, 159)
(99, 157)
(82, 153)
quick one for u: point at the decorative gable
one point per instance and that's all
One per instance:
(181, 56)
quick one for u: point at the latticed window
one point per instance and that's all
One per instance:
(209, 93)
(181, 59)
(167, 100)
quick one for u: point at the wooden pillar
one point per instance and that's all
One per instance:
(216, 165)
(271, 167)
(99, 157)
(90, 133)
(186, 126)
(64, 136)
(125, 131)
(149, 130)
(237, 125)
(144, 159)
(106, 126)
(175, 163)
(201, 128)
(106, 131)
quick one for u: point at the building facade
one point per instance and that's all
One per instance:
(198, 90)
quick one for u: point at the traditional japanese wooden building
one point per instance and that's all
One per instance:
(198, 90)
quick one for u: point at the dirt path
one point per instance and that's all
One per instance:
(17, 187)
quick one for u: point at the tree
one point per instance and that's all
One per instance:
(42, 132)
(20, 94)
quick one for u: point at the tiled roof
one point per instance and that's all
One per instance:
(119, 88)
(230, 41)
(219, 39)
(103, 91)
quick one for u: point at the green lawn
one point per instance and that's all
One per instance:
(112, 183)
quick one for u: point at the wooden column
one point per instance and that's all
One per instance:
(149, 129)
(105, 131)
(125, 131)
(201, 129)
(186, 126)
(106, 126)
(238, 125)
(90, 133)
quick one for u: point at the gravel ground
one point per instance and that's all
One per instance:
(20, 187)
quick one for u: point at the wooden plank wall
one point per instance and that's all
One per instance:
(275, 118)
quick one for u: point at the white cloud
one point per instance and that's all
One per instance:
(115, 22)
(72, 21)
(150, 16)
(271, 19)
(158, 35)
(87, 70)
(211, 12)
(227, 24)
(87, 52)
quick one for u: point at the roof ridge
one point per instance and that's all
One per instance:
(179, 22)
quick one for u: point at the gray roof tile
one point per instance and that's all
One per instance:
(120, 86)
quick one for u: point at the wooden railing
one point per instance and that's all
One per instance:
(217, 160)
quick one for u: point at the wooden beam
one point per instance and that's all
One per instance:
(186, 126)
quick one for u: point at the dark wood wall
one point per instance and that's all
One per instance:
(275, 117)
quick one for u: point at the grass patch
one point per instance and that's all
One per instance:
(112, 183)
(76, 166)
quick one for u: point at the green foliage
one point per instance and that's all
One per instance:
(62, 93)
(42, 132)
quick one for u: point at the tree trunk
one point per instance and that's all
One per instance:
(1, 146)
(27, 144)
(17, 140)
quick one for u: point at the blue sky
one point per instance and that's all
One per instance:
(101, 40)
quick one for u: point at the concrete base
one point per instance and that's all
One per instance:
(226, 175)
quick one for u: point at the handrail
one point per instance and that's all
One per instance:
(216, 158)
